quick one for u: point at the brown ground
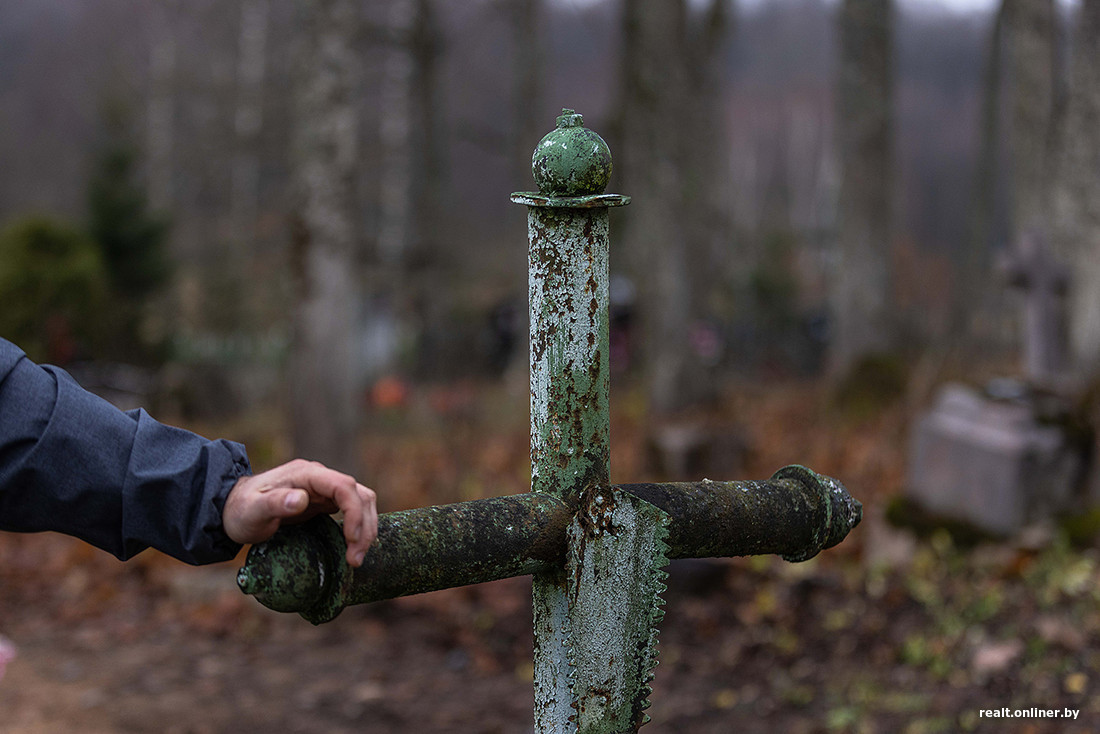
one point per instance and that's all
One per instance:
(881, 634)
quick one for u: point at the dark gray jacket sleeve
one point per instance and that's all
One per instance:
(73, 463)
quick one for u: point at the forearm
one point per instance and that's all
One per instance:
(73, 463)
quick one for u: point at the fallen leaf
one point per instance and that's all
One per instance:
(994, 657)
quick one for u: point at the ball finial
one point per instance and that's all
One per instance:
(571, 160)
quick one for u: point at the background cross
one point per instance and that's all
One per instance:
(1044, 282)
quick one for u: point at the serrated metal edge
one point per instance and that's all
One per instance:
(649, 537)
(657, 612)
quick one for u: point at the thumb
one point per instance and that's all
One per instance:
(253, 514)
(288, 503)
(268, 510)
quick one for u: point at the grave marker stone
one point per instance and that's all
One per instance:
(988, 462)
(991, 459)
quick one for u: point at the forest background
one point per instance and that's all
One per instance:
(288, 223)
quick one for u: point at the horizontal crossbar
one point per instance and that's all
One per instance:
(797, 513)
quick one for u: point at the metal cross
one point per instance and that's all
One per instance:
(596, 551)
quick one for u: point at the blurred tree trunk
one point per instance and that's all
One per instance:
(161, 113)
(413, 167)
(1011, 192)
(323, 375)
(654, 81)
(430, 171)
(666, 124)
(528, 127)
(974, 260)
(411, 137)
(706, 213)
(861, 284)
(1029, 28)
(1076, 191)
(527, 92)
(248, 121)
(395, 99)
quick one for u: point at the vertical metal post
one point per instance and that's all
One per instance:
(568, 292)
(570, 429)
(570, 379)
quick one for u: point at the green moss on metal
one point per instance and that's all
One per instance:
(302, 569)
(571, 160)
(797, 513)
(570, 375)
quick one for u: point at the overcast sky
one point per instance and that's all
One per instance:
(961, 5)
(955, 5)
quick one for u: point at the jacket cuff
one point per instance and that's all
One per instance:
(222, 547)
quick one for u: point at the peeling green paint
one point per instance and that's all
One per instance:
(570, 373)
(571, 160)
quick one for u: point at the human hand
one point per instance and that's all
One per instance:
(258, 504)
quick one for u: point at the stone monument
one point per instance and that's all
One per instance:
(996, 458)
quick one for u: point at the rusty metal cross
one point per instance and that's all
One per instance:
(596, 551)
